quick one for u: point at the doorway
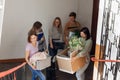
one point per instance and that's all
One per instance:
(94, 24)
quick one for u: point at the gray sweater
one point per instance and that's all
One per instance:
(54, 33)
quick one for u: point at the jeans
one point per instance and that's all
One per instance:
(37, 73)
(80, 73)
(56, 46)
(50, 71)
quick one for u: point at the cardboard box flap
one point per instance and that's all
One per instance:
(78, 63)
(66, 64)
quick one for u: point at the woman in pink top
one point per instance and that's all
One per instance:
(31, 49)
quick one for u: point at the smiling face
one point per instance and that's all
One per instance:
(33, 38)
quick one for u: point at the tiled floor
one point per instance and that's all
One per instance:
(26, 74)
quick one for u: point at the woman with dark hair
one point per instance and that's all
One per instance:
(85, 52)
(71, 26)
(37, 27)
(85, 31)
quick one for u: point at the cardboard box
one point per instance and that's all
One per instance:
(42, 64)
(66, 64)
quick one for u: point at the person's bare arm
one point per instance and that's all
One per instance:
(27, 59)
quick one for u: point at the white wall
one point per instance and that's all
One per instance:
(85, 12)
(21, 14)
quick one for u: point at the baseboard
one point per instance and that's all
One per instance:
(12, 60)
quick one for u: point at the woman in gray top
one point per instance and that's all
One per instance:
(55, 38)
(85, 52)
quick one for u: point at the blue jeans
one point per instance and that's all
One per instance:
(37, 73)
(80, 73)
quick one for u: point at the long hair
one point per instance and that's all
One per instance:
(86, 31)
(60, 24)
(37, 25)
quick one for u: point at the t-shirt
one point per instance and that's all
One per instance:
(40, 35)
(41, 43)
(54, 33)
(31, 48)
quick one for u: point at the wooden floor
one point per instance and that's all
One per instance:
(59, 74)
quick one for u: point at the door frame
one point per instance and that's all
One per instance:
(94, 24)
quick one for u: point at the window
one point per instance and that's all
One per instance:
(1, 16)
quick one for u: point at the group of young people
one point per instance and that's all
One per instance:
(58, 39)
